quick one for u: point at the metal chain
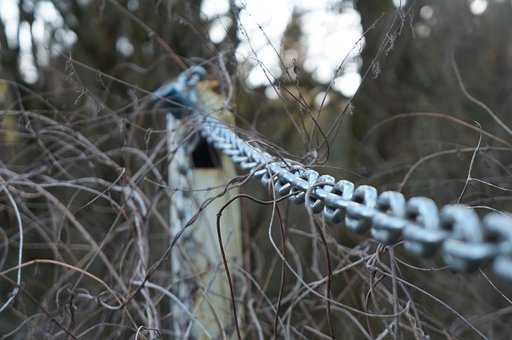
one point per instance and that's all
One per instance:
(179, 98)
(181, 210)
(464, 240)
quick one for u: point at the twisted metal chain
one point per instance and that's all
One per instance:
(465, 241)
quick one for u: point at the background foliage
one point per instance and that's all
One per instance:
(436, 75)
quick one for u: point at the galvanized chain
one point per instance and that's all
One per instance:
(181, 211)
(179, 99)
(465, 241)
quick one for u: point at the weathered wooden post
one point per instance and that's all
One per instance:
(198, 172)
(213, 299)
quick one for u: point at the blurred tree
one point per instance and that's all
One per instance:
(77, 88)
(409, 61)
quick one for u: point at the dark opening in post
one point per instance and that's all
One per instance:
(205, 156)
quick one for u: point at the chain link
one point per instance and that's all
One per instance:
(179, 98)
(464, 240)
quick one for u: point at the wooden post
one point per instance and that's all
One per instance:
(196, 263)
(213, 302)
